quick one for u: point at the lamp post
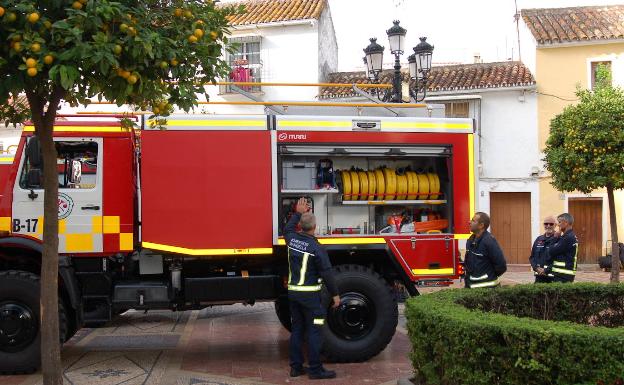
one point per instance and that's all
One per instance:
(419, 64)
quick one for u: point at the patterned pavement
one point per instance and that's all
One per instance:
(222, 345)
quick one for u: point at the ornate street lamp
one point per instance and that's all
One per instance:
(374, 58)
(419, 64)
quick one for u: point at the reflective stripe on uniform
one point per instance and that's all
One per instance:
(484, 276)
(304, 268)
(319, 321)
(485, 284)
(558, 263)
(563, 271)
(304, 288)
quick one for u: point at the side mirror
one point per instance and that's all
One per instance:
(34, 178)
(74, 172)
(33, 153)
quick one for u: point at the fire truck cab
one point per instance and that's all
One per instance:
(191, 215)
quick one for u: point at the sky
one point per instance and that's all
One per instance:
(457, 28)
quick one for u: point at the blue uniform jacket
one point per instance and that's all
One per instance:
(539, 252)
(308, 261)
(484, 261)
(563, 254)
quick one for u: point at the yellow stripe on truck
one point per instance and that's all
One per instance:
(81, 129)
(445, 271)
(5, 223)
(344, 241)
(215, 123)
(313, 123)
(416, 125)
(184, 250)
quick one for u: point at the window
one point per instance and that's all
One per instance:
(245, 62)
(76, 163)
(600, 73)
(456, 110)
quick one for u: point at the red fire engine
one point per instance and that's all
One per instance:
(192, 215)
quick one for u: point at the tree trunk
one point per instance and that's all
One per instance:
(50, 340)
(615, 250)
(43, 116)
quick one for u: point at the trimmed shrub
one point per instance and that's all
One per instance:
(524, 335)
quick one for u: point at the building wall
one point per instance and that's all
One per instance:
(558, 72)
(327, 46)
(289, 54)
(509, 153)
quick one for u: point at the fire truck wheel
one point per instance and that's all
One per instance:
(283, 311)
(20, 338)
(367, 317)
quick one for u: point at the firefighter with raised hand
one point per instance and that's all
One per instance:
(309, 265)
(484, 260)
(539, 258)
(564, 251)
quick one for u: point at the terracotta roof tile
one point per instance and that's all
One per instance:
(443, 78)
(575, 24)
(270, 11)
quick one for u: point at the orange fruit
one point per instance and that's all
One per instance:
(16, 38)
(132, 31)
(156, 110)
(164, 65)
(188, 14)
(77, 5)
(198, 32)
(48, 59)
(17, 46)
(177, 12)
(31, 63)
(117, 49)
(214, 35)
(31, 72)
(174, 62)
(47, 24)
(35, 47)
(11, 17)
(132, 79)
(32, 17)
(192, 39)
(123, 27)
(1, 11)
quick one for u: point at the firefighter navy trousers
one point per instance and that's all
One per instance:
(307, 314)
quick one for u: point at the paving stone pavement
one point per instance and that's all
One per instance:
(223, 345)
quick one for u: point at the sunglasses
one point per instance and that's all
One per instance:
(548, 224)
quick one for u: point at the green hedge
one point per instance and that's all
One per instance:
(530, 334)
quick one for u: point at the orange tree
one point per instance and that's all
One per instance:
(585, 150)
(149, 54)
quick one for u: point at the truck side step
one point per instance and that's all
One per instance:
(142, 295)
(214, 289)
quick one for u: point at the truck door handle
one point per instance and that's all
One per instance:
(447, 242)
(413, 240)
(90, 207)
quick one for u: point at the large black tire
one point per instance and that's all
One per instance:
(282, 309)
(20, 340)
(366, 320)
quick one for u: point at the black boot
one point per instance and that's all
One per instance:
(296, 372)
(322, 374)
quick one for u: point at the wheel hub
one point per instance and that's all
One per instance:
(354, 318)
(18, 326)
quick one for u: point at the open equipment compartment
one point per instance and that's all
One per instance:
(368, 189)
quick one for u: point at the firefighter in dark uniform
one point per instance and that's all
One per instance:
(309, 266)
(564, 251)
(484, 260)
(539, 258)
